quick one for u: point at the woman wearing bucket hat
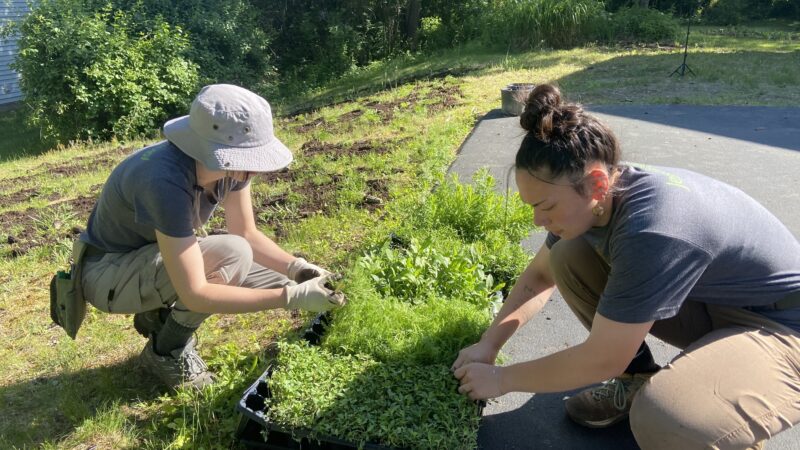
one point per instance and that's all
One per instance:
(637, 250)
(143, 254)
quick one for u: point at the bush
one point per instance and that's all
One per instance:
(524, 24)
(644, 25)
(229, 44)
(728, 12)
(87, 75)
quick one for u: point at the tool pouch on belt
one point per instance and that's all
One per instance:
(67, 305)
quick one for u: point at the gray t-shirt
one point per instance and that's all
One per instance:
(676, 235)
(152, 189)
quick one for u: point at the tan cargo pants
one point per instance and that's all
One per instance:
(137, 281)
(735, 383)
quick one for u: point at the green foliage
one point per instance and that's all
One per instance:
(473, 210)
(525, 24)
(644, 25)
(88, 75)
(229, 43)
(422, 270)
(398, 404)
(389, 330)
(727, 12)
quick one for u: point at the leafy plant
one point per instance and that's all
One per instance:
(87, 75)
(396, 404)
(473, 210)
(422, 271)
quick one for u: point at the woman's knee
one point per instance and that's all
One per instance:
(227, 258)
(663, 416)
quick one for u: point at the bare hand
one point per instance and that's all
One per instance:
(480, 381)
(481, 352)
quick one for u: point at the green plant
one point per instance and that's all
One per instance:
(422, 271)
(644, 25)
(473, 210)
(86, 75)
(398, 404)
(525, 24)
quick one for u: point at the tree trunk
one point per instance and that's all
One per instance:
(412, 22)
(644, 3)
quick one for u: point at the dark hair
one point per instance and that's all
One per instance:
(562, 138)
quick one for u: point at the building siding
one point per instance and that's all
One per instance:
(10, 11)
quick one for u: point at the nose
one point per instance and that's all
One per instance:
(541, 220)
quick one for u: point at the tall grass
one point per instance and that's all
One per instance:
(522, 24)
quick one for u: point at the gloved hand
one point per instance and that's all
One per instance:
(301, 270)
(312, 295)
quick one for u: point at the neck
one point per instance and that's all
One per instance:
(207, 178)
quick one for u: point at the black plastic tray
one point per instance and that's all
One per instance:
(254, 424)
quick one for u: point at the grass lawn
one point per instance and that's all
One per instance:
(381, 137)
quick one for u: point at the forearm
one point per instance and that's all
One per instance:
(517, 310)
(568, 369)
(529, 294)
(224, 299)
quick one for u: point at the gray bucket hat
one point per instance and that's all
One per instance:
(229, 128)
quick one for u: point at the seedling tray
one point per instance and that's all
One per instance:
(254, 426)
(255, 431)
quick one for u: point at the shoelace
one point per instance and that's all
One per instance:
(614, 388)
(193, 365)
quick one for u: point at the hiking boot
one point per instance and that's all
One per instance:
(150, 322)
(607, 404)
(183, 366)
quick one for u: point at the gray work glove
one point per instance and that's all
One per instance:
(312, 295)
(301, 270)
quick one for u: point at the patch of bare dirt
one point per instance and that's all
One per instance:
(436, 98)
(336, 151)
(29, 235)
(310, 126)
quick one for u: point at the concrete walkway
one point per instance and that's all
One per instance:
(754, 148)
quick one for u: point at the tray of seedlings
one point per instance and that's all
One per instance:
(375, 373)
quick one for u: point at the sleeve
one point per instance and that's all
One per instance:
(651, 276)
(167, 206)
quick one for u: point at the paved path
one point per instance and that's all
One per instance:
(754, 148)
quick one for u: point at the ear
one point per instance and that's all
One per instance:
(598, 184)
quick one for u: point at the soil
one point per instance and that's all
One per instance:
(437, 98)
(28, 238)
(336, 151)
(306, 127)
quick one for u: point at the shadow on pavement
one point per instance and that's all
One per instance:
(544, 420)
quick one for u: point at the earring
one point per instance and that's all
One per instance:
(598, 210)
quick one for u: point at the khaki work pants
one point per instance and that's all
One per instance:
(137, 281)
(735, 383)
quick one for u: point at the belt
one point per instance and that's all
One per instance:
(791, 301)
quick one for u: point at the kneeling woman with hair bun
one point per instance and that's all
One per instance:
(637, 250)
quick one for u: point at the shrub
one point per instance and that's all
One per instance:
(524, 24)
(422, 271)
(728, 12)
(229, 44)
(86, 75)
(644, 25)
(473, 210)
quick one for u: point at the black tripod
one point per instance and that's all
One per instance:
(681, 70)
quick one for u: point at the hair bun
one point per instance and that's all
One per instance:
(542, 110)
